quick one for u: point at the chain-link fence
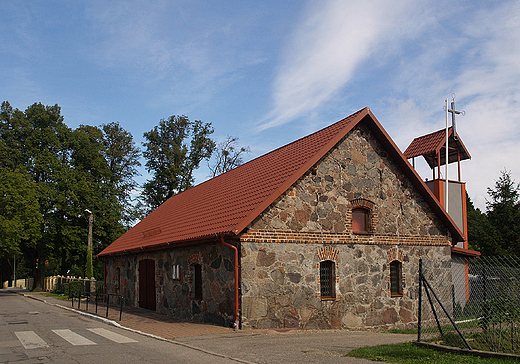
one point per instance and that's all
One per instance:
(478, 309)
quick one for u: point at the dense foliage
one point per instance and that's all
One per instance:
(497, 231)
(49, 175)
(174, 149)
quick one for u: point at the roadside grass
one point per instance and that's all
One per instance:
(402, 331)
(407, 353)
(57, 296)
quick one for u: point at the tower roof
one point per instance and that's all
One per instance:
(430, 145)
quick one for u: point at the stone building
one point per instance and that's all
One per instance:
(325, 232)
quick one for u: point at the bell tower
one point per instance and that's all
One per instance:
(442, 148)
(439, 149)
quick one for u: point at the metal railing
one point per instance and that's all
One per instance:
(105, 297)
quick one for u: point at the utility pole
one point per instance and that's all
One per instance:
(89, 271)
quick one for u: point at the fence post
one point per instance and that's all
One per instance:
(485, 312)
(419, 315)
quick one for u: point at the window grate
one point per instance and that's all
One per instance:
(327, 279)
(396, 286)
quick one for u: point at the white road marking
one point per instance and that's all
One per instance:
(30, 340)
(120, 339)
(73, 338)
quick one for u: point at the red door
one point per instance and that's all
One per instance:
(147, 284)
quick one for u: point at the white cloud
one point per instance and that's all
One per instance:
(333, 39)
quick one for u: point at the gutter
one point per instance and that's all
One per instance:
(236, 324)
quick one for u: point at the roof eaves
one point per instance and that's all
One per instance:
(465, 252)
(178, 243)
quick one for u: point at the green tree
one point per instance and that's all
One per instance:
(20, 217)
(64, 172)
(35, 142)
(174, 149)
(228, 155)
(122, 157)
(479, 230)
(503, 213)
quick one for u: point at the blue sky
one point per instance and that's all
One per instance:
(270, 72)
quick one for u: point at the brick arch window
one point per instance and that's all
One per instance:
(328, 257)
(396, 278)
(327, 279)
(360, 220)
(363, 216)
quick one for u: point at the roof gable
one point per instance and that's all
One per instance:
(228, 203)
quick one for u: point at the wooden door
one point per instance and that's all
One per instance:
(147, 284)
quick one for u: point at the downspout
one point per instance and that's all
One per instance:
(235, 325)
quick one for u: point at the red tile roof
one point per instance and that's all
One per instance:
(430, 145)
(227, 203)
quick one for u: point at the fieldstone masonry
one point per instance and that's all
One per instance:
(174, 297)
(312, 222)
(281, 251)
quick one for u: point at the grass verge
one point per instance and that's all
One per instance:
(408, 353)
(57, 296)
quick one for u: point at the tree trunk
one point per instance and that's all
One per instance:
(39, 277)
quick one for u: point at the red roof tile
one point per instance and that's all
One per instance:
(227, 203)
(431, 144)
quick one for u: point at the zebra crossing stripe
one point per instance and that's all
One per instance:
(30, 340)
(120, 339)
(73, 338)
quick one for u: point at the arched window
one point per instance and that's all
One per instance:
(396, 278)
(327, 279)
(197, 282)
(360, 220)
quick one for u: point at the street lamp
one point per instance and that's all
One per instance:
(89, 269)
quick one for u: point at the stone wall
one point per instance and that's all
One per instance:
(282, 249)
(174, 295)
(281, 288)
